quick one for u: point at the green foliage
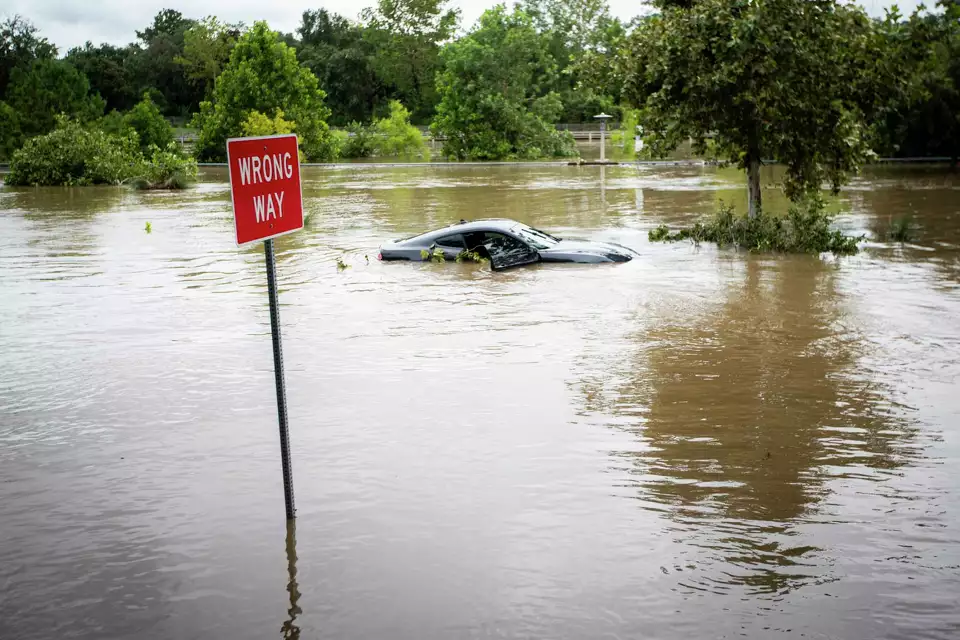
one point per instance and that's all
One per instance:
(470, 256)
(496, 98)
(19, 48)
(258, 124)
(407, 35)
(397, 137)
(436, 255)
(148, 227)
(901, 229)
(341, 265)
(263, 75)
(155, 64)
(206, 48)
(805, 229)
(9, 131)
(47, 89)
(768, 79)
(358, 141)
(344, 61)
(113, 123)
(914, 92)
(72, 155)
(152, 128)
(108, 68)
(166, 168)
(622, 140)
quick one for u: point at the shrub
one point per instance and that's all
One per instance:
(397, 137)
(145, 118)
(804, 229)
(258, 124)
(166, 169)
(359, 141)
(9, 130)
(72, 155)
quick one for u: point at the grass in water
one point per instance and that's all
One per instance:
(148, 228)
(804, 229)
(901, 230)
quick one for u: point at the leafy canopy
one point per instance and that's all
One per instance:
(496, 92)
(768, 79)
(263, 75)
(46, 89)
(19, 47)
(151, 127)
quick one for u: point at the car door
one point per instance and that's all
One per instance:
(506, 251)
(452, 245)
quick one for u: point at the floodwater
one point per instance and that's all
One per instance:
(697, 444)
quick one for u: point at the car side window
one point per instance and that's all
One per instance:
(451, 241)
(500, 242)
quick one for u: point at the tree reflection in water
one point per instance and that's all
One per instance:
(746, 415)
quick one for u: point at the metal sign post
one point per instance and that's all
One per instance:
(281, 385)
(267, 202)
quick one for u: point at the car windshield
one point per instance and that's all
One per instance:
(535, 237)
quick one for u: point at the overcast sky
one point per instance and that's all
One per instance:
(68, 23)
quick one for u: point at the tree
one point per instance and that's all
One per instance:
(206, 49)
(916, 103)
(151, 127)
(768, 79)
(10, 135)
(154, 63)
(335, 50)
(263, 75)
(107, 69)
(495, 88)
(583, 39)
(407, 35)
(19, 47)
(47, 89)
(397, 137)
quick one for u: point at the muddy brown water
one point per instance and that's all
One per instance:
(696, 444)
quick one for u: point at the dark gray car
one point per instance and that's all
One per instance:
(506, 243)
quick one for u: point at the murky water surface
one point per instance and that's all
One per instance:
(697, 444)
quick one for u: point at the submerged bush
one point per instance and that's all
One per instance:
(166, 169)
(71, 155)
(396, 136)
(901, 230)
(358, 141)
(804, 229)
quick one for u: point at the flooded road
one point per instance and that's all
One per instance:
(695, 444)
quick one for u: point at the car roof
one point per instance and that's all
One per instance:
(488, 224)
(484, 224)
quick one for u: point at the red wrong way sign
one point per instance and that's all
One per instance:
(265, 187)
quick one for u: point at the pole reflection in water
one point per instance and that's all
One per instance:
(290, 629)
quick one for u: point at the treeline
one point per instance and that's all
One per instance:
(493, 91)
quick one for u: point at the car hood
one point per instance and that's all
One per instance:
(590, 247)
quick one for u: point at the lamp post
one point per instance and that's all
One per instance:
(603, 128)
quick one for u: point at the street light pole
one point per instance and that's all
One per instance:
(602, 117)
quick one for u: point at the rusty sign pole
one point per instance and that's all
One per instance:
(281, 385)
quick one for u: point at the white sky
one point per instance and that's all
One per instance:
(68, 23)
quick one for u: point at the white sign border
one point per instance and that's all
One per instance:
(303, 214)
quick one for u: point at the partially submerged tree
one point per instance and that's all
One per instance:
(263, 75)
(766, 79)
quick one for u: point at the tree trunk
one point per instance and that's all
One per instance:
(753, 185)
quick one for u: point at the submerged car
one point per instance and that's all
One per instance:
(506, 243)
